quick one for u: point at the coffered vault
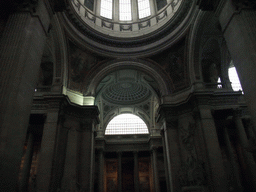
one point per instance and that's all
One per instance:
(67, 69)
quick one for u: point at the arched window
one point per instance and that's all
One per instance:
(144, 8)
(106, 8)
(126, 124)
(234, 79)
(125, 9)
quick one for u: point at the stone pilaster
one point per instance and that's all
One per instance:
(59, 159)
(86, 156)
(52, 130)
(218, 180)
(70, 177)
(79, 162)
(248, 157)
(238, 22)
(233, 162)
(165, 161)
(172, 146)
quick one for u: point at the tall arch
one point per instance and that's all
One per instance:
(150, 68)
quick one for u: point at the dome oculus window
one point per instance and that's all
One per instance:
(144, 8)
(125, 124)
(125, 13)
(106, 8)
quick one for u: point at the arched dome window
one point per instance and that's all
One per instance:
(125, 7)
(106, 8)
(143, 8)
(122, 19)
(234, 79)
(125, 124)
(125, 10)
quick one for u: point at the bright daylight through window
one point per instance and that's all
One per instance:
(125, 13)
(106, 8)
(144, 8)
(234, 79)
(126, 124)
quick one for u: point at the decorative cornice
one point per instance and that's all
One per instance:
(224, 100)
(86, 114)
(62, 103)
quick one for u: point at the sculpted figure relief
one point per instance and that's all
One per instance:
(192, 172)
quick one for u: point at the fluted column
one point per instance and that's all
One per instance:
(69, 180)
(248, 157)
(119, 171)
(218, 176)
(79, 155)
(172, 146)
(86, 156)
(45, 163)
(173, 154)
(21, 49)
(155, 169)
(56, 174)
(238, 22)
(27, 164)
(136, 172)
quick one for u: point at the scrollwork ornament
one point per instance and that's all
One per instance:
(240, 4)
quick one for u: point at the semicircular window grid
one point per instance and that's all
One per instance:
(125, 124)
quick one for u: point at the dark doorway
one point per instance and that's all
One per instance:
(128, 175)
